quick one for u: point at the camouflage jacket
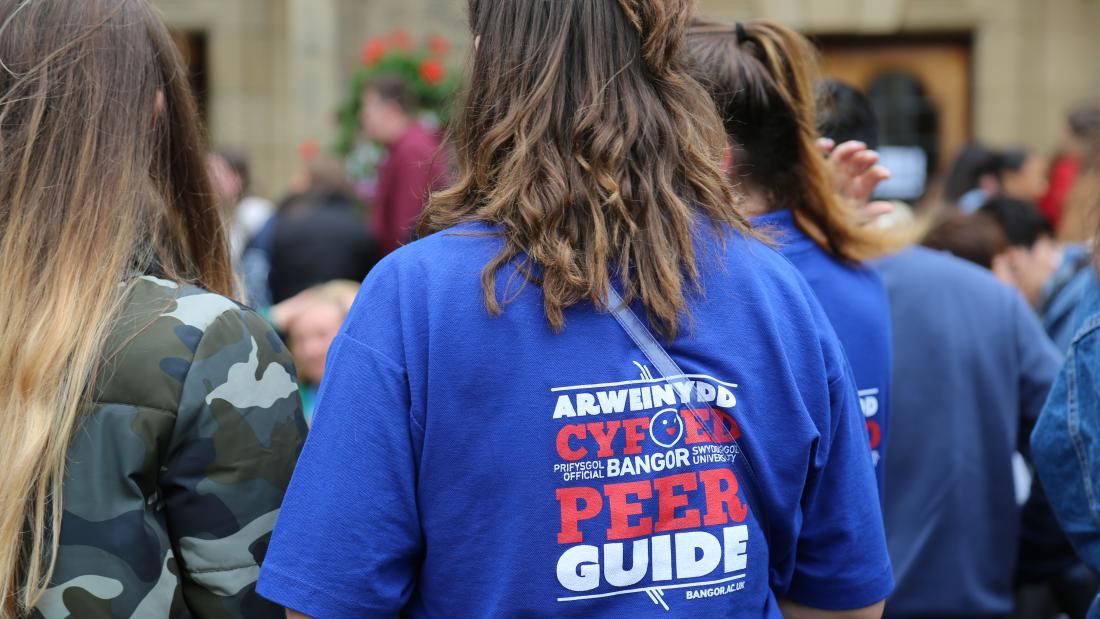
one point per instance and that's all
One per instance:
(176, 475)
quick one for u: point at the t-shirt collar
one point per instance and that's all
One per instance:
(781, 227)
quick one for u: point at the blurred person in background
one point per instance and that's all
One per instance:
(1051, 276)
(414, 164)
(311, 320)
(1031, 256)
(1013, 240)
(463, 385)
(245, 214)
(971, 369)
(148, 423)
(854, 163)
(974, 237)
(761, 75)
(1082, 206)
(972, 178)
(1082, 129)
(834, 98)
(1022, 175)
(319, 235)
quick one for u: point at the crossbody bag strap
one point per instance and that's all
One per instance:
(669, 371)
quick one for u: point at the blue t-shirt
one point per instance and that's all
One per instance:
(465, 465)
(855, 301)
(972, 367)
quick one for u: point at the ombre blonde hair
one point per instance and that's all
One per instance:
(101, 178)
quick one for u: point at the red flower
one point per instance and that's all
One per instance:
(439, 45)
(308, 149)
(401, 40)
(373, 51)
(432, 72)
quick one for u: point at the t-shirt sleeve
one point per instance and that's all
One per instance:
(348, 541)
(841, 561)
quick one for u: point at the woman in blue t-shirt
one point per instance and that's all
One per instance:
(490, 441)
(761, 75)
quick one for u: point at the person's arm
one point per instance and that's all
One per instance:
(794, 610)
(1066, 447)
(856, 173)
(237, 435)
(840, 558)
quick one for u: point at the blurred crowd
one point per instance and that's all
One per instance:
(969, 375)
(299, 260)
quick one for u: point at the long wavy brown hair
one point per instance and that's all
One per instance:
(762, 81)
(101, 178)
(586, 143)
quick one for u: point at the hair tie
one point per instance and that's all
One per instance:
(742, 35)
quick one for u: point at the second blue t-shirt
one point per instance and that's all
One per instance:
(855, 300)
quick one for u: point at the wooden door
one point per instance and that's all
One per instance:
(192, 46)
(939, 69)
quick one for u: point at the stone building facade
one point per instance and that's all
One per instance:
(273, 71)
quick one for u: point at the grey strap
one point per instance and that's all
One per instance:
(643, 339)
(669, 369)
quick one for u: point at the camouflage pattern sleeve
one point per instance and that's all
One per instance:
(236, 439)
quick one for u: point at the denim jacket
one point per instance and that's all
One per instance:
(1066, 441)
(1062, 295)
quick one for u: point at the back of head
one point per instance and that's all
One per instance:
(238, 163)
(394, 89)
(761, 75)
(1010, 160)
(101, 177)
(585, 141)
(328, 176)
(974, 237)
(1083, 121)
(972, 162)
(1022, 223)
(845, 114)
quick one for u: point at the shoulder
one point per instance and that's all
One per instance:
(753, 280)
(1087, 315)
(931, 263)
(735, 260)
(444, 267)
(938, 270)
(418, 142)
(179, 312)
(166, 329)
(461, 248)
(935, 292)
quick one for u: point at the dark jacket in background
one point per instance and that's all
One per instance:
(318, 236)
